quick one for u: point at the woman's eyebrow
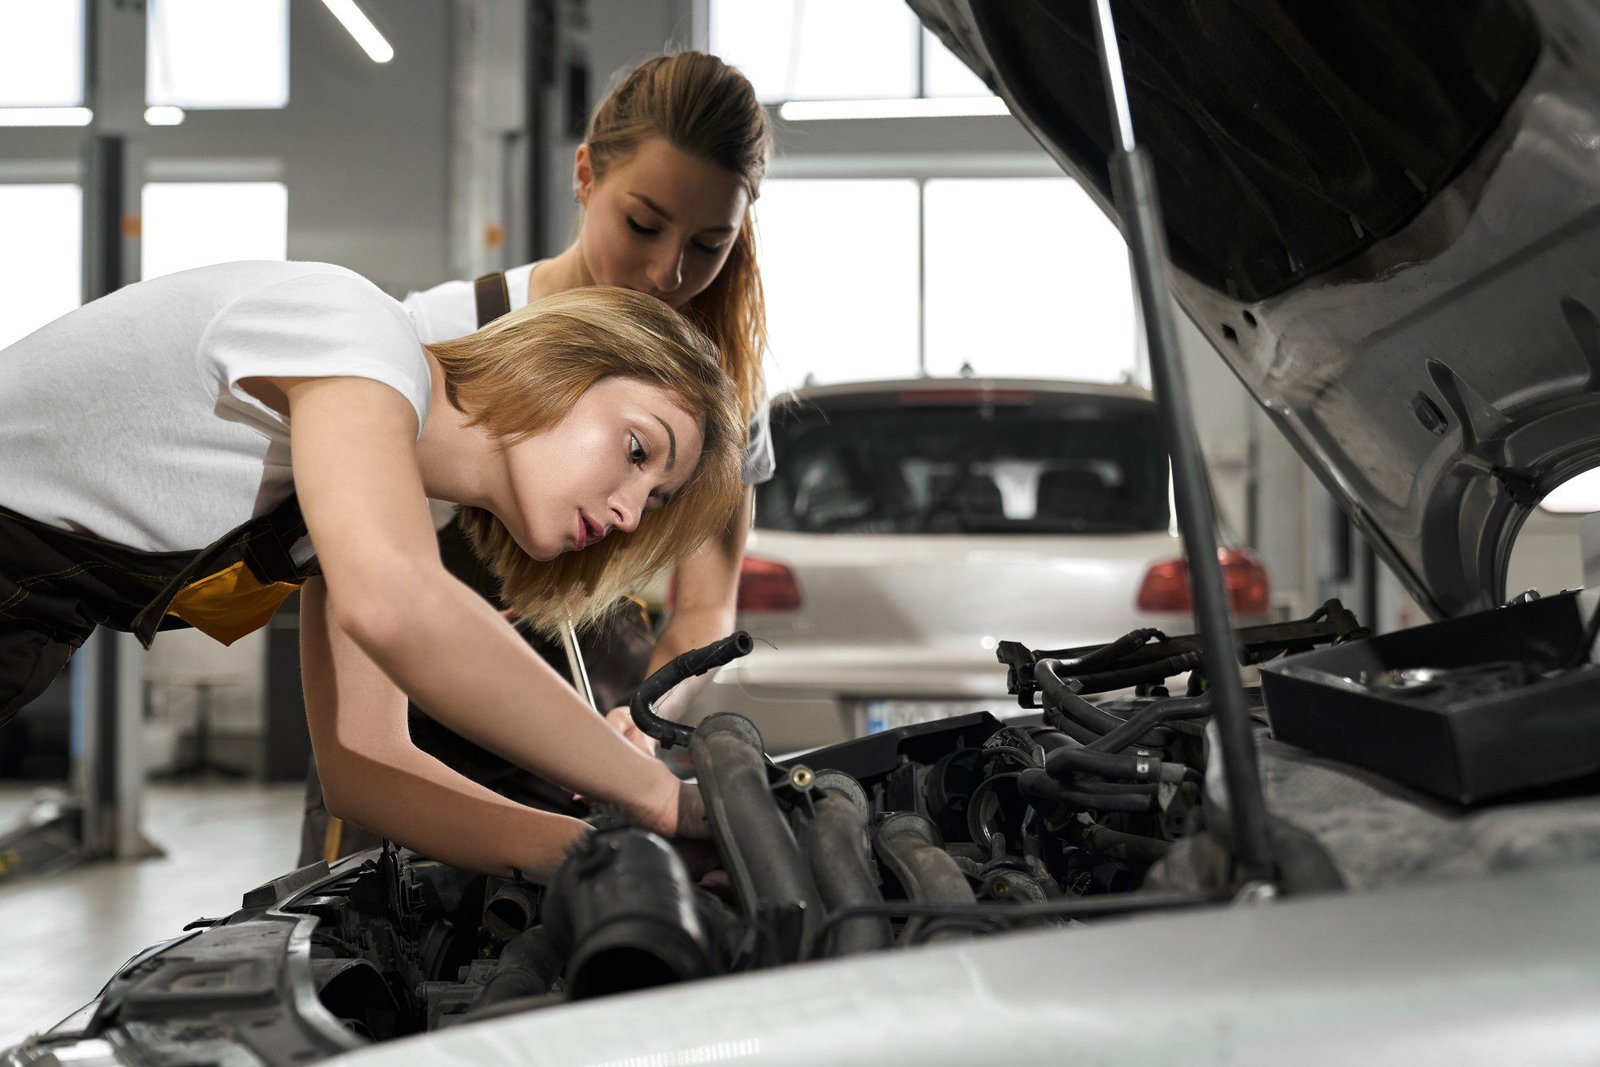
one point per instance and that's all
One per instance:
(664, 213)
(672, 443)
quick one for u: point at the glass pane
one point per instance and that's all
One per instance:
(41, 54)
(839, 261)
(1026, 463)
(945, 74)
(41, 272)
(191, 224)
(819, 49)
(1026, 278)
(202, 54)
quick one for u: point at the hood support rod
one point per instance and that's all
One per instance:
(1134, 188)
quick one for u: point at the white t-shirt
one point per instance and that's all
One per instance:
(123, 420)
(450, 310)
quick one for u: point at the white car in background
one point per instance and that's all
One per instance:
(914, 524)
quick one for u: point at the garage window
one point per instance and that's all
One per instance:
(205, 54)
(895, 278)
(1025, 277)
(41, 63)
(836, 50)
(41, 273)
(839, 260)
(192, 224)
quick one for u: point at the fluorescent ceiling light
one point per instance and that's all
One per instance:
(907, 108)
(353, 19)
(163, 115)
(45, 116)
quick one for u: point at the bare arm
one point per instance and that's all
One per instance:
(373, 775)
(704, 608)
(353, 444)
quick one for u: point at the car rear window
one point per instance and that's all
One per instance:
(1036, 463)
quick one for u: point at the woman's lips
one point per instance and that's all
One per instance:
(588, 531)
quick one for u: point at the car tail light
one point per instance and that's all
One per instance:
(767, 587)
(1165, 589)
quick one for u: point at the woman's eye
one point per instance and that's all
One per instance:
(636, 451)
(634, 225)
(710, 250)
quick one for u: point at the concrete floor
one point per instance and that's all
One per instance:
(65, 934)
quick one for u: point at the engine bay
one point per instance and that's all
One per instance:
(1074, 812)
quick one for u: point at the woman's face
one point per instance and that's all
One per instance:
(659, 222)
(622, 451)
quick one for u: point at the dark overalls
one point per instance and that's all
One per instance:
(56, 587)
(616, 654)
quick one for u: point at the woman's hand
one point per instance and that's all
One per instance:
(621, 720)
(676, 810)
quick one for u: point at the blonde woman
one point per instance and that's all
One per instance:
(666, 178)
(287, 416)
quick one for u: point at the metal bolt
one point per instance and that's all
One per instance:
(801, 777)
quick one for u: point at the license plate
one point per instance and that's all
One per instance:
(881, 715)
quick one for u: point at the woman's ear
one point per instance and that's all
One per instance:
(582, 175)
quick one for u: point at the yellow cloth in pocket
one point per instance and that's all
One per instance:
(230, 603)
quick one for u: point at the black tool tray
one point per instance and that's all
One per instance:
(1346, 703)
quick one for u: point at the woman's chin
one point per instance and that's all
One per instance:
(541, 553)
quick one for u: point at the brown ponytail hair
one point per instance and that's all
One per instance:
(706, 109)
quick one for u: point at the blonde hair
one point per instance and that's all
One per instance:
(705, 109)
(521, 374)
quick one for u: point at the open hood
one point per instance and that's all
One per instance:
(1386, 219)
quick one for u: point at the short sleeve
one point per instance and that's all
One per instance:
(332, 324)
(443, 313)
(759, 462)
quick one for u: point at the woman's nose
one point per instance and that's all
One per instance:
(666, 271)
(627, 508)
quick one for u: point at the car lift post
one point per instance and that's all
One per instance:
(1134, 188)
(100, 818)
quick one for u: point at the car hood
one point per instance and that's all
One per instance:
(1385, 218)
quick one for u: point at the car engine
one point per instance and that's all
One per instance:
(1072, 812)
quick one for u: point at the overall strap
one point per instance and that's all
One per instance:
(263, 546)
(493, 297)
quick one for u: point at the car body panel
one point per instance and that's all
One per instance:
(913, 616)
(1440, 376)
(1432, 974)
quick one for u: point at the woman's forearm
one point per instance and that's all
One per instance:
(465, 665)
(413, 799)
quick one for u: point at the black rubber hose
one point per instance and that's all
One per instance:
(1063, 763)
(1037, 785)
(1056, 690)
(623, 902)
(528, 965)
(1147, 716)
(1096, 788)
(1152, 673)
(912, 849)
(1115, 844)
(836, 846)
(769, 877)
(1107, 653)
(1049, 739)
(691, 663)
(1066, 727)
